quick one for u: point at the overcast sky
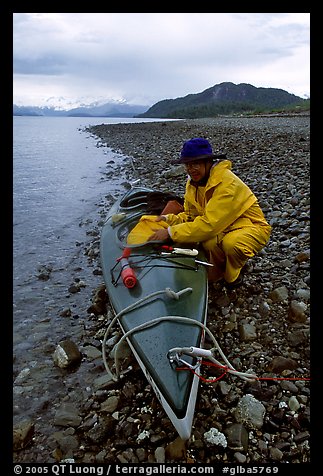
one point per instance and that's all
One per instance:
(66, 59)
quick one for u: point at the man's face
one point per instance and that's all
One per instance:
(196, 169)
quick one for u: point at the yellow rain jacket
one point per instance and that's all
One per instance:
(225, 217)
(224, 204)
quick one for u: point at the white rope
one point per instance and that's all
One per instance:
(169, 292)
(185, 320)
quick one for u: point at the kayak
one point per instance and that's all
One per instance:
(159, 295)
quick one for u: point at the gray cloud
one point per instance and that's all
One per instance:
(152, 56)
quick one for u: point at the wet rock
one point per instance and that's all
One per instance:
(250, 411)
(293, 403)
(92, 352)
(104, 381)
(67, 354)
(237, 437)
(239, 457)
(275, 454)
(160, 454)
(44, 272)
(22, 434)
(247, 332)
(104, 428)
(297, 311)
(110, 404)
(279, 294)
(99, 301)
(66, 441)
(279, 364)
(298, 337)
(67, 415)
(176, 450)
(214, 437)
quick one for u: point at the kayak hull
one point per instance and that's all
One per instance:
(165, 309)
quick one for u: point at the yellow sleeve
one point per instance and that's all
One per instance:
(230, 199)
(181, 217)
(188, 215)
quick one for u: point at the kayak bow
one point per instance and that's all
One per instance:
(163, 308)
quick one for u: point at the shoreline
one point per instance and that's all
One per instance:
(268, 150)
(151, 147)
(272, 156)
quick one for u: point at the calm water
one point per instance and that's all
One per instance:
(56, 183)
(56, 170)
(58, 187)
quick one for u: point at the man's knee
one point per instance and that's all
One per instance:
(238, 248)
(239, 251)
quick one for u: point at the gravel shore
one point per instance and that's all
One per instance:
(263, 326)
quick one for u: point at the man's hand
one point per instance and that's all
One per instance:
(159, 235)
(160, 218)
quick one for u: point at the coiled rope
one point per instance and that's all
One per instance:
(185, 320)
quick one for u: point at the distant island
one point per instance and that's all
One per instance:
(222, 99)
(104, 110)
(227, 99)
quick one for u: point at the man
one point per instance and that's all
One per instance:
(220, 212)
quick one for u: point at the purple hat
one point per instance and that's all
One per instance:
(195, 149)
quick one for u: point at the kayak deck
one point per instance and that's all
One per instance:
(153, 306)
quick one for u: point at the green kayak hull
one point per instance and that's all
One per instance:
(155, 308)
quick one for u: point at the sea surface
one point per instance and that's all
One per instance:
(58, 185)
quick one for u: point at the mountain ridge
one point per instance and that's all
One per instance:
(223, 98)
(104, 110)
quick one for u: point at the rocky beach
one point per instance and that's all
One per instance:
(262, 326)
